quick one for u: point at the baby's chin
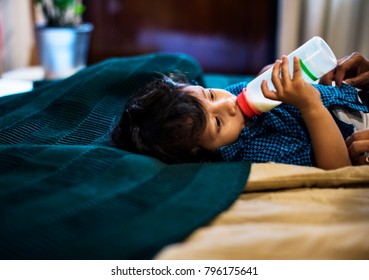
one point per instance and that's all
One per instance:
(241, 116)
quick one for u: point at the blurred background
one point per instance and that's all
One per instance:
(225, 36)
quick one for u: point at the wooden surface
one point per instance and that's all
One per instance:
(225, 36)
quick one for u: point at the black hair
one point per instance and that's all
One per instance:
(164, 121)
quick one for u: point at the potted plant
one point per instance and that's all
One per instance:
(62, 38)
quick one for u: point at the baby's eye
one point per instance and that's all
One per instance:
(218, 123)
(212, 95)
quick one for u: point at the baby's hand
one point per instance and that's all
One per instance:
(295, 90)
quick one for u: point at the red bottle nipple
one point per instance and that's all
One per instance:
(245, 105)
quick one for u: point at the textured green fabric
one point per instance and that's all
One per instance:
(65, 193)
(223, 81)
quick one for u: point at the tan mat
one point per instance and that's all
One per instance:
(288, 212)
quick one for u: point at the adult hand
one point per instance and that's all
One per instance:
(353, 69)
(358, 147)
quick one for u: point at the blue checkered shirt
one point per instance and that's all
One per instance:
(280, 135)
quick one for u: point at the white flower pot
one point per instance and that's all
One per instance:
(63, 51)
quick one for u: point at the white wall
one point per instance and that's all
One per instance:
(343, 24)
(18, 35)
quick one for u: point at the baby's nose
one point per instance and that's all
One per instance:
(227, 105)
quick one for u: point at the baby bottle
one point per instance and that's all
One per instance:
(316, 60)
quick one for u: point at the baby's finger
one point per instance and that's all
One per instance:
(266, 92)
(276, 77)
(286, 77)
(296, 68)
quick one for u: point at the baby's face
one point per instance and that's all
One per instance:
(224, 117)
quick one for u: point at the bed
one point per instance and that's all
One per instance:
(67, 193)
(288, 212)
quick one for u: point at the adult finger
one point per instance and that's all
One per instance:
(361, 81)
(327, 78)
(361, 160)
(340, 75)
(343, 59)
(357, 136)
(347, 67)
(357, 148)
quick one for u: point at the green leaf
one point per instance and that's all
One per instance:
(79, 9)
(63, 4)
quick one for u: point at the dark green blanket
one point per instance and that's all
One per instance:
(65, 193)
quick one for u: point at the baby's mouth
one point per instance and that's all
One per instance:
(246, 119)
